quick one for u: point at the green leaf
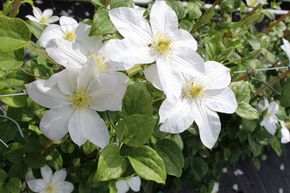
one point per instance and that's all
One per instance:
(55, 159)
(172, 156)
(276, 145)
(229, 6)
(11, 60)
(146, 162)
(102, 24)
(255, 147)
(135, 129)
(14, 185)
(194, 11)
(14, 34)
(246, 111)
(177, 7)
(137, 100)
(243, 95)
(121, 3)
(111, 164)
(284, 99)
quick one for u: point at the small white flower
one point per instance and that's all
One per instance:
(235, 187)
(286, 48)
(238, 172)
(51, 183)
(281, 190)
(197, 98)
(225, 170)
(69, 30)
(282, 167)
(269, 115)
(162, 44)
(284, 132)
(73, 99)
(44, 17)
(255, 3)
(131, 182)
(215, 188)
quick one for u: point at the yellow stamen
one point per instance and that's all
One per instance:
(163, 44)
(81, 98)
(102, 63)
(50, 189)
(70, 36)
(43, 20)
(193, 89)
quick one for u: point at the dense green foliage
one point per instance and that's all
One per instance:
(163, 161)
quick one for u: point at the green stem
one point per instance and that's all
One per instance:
(13, 121)
(15, 9)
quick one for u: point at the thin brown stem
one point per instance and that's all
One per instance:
(107, 3)
(15, 9)
(274, 81)
(270, 27)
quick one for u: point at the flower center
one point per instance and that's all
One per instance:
(81, 98)
(43, 20)
(193, 90)
(50, 189)
(102, 63)
(70, 36)
(163, 44)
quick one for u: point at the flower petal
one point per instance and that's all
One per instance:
(151, 75)
(122, 186)
(263, 104)
(169, 77)
(51, 32)
(37, 12)
(273, 108)
(58, 176)
(134, 183)
(217, 76)
(221, 100)
(37, 185)
(95, 129)
(185, 59)
(46, 93)
(162, 18)
(176, 116)
(52, 19)
(47, 13)
(46, 173)
(64, 187)
(68, 24)
(285, 135)
(54, 123)
(77, 126)
(31, 18)
(108, 91)
(68, 82)
(183, 38)
(62, 52)
(130, 53)
(286, 47)
(131, 24)
(270, 125)
(209, 125)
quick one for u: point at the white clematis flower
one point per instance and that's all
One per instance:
(131, 182)
(284, 132)
(44, 17)
(68, 30)
(75, 56)
(197, 98)
(51, 183)
(162, 43)
(286, 48)
(73, 99)
(269, 115)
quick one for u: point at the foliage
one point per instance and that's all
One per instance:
(164, 161)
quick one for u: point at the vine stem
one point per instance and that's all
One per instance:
(4, 143)
(277, 79)
(15, 8)
(15, 122)
(270, 27)
(11, 95)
